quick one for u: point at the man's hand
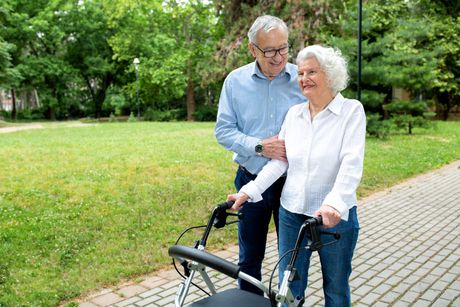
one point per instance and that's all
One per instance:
(331, 216)
(239, 199)
(274, 148)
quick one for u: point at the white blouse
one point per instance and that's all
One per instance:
(325, 157)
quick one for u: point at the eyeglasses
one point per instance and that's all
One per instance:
(272, 52)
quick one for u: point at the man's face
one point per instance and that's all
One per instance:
(275, 39)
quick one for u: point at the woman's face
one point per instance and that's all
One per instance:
(312, 79)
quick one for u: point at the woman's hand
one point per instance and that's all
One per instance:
(239, 199)
(331, 216)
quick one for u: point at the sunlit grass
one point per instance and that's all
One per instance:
(82, 208)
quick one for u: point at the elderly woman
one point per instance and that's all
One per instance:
(324, 141)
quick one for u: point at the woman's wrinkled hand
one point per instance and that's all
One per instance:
(239, 199)
(331, 216)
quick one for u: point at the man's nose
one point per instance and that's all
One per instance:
(278, 56)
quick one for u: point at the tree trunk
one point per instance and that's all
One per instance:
(13, 107)
(442, 105)
(190, 100)
(190, 86)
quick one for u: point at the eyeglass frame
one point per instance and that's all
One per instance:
(271, 50)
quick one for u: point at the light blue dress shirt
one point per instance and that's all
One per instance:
(252, 108)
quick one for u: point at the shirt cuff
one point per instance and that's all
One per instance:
(336, 202)
(253, 145)
(251, 190)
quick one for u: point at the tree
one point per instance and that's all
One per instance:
(172, 39)
(145, 30)
(38, 53)
(409, 114)
(406, 44)
(197, 40)
(88, 50)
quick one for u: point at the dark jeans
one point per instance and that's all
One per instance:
(253, 228)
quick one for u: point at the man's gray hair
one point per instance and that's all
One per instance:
(265, 23)
(331, 62)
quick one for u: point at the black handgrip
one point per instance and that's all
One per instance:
(227, 205)
(210, 260)
(319, 220)
(221, 214)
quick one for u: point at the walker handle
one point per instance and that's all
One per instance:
(210, 260)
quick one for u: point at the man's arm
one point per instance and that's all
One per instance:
(229, 135)
(226, 130)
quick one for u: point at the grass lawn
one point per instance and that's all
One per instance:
(85, 207)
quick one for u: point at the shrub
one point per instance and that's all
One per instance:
(407, 114)
(205, 113)
(131, 118)
(112, 118)
(164, 116)
(377, 127)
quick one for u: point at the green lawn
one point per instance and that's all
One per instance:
(85, 207)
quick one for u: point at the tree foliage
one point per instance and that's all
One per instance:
(78, 55)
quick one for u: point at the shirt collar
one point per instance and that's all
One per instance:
(257, 72)
(335, 106)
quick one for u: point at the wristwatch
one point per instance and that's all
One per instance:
(259, 148)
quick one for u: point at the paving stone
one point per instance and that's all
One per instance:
(381, 289)
(449, 294)
(448, 277)
(422, 303)
(375, 281)
(369, 299)
(399, 304)
(430, 295)
(164, 301)
(149, 300)
(152, 282)
(363, 290)
(421, 287)
(131, 290)
(107, 299)
(390, 297)
(441, 303)
(128, 302)
(410, 296)
(455, 285)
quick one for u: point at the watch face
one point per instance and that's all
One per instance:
(259, 148)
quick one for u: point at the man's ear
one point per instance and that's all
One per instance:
(252, 49)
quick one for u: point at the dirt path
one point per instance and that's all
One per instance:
(19, 128)
(40, 126)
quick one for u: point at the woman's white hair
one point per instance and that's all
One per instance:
(265, 23)
(331, 62)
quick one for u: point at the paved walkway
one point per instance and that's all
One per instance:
(408, 253)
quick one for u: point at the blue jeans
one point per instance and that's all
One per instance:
(335, 258)
(253, 228)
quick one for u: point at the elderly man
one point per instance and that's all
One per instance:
(252, 106)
